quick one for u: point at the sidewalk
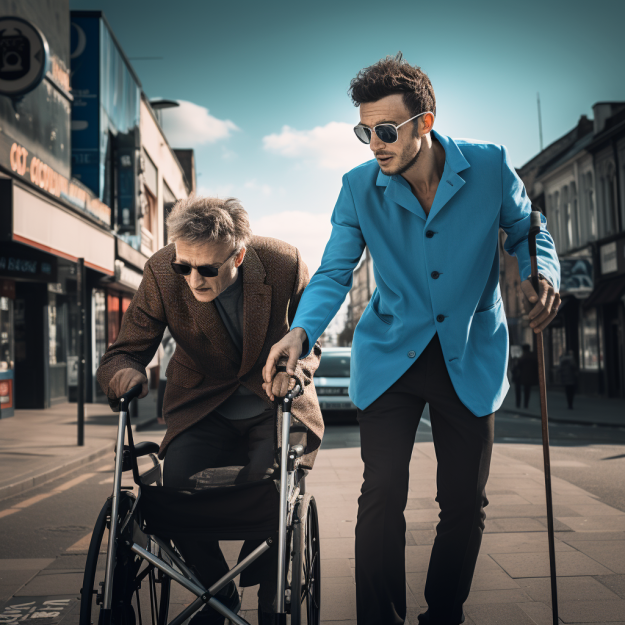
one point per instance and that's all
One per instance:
(39, 445)
(511, 583)
(587, 409)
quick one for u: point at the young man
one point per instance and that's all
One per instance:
(226, 297)
(429, 208)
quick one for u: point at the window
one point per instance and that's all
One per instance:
(168, 203)
(609, 212)
(592, 212)
(576, 231)
(567, 218)
(333, 366)
(590, 340)
(556, 213)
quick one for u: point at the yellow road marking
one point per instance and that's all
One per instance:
(76, 480)
(60, 489)
(83, 543)
(29, 502)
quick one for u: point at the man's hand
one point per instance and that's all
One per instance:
(125, 379)
(289, 349)
(281, 385)
(542, 308)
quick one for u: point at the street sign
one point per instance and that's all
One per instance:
(24, 56)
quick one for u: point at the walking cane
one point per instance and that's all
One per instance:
(542, 386)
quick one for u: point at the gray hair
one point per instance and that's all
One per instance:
(209, 219)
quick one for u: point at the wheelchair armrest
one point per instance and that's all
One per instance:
(146, 447)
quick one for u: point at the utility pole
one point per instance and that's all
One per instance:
(540, 122)
(81, 300)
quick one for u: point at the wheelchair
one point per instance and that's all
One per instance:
(128, 574)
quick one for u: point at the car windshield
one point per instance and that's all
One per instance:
(333, 366)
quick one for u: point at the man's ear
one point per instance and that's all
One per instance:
(240, 257)
(428, 123)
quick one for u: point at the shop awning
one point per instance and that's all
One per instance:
(606, 292)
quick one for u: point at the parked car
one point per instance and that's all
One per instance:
(332, 380)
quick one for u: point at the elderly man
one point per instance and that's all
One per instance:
(226, 297)
(429, 208)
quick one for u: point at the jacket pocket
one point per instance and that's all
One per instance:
(183, 376)
(477, 312)
(374, 303)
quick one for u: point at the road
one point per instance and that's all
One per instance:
(55, 519)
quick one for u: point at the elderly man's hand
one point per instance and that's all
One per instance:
(542, 308)
(281, 385)
(125, 379)
(288, 349)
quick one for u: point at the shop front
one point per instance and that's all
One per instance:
(42, 241)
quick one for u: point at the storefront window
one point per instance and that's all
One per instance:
(590, 340)
(56, 329)
(6, 334)
(99, 337)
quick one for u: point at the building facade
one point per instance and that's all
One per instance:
(577, 182)
(85, 172)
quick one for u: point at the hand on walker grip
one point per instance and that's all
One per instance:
(289, 349)
(125, 379)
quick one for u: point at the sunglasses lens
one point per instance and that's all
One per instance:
(181, 270)
(386, 133)
(207, 271)
(364, 134)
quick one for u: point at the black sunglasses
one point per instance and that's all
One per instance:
(207, 271)
(387, 133)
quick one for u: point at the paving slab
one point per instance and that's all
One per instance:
(570, 589)
(592, 611)
(537, 564)
(609, 553)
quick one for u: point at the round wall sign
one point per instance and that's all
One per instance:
(24, 56)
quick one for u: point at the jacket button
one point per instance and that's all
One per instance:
(435, 275)
(440, 318)
(411, 354)
(429, 234)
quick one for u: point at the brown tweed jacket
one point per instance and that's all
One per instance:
(206, 368)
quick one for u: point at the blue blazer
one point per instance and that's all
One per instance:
(434, 273)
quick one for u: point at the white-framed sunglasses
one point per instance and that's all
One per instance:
(387, 133)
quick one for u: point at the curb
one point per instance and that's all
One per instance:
(532, 415)
(42, 478)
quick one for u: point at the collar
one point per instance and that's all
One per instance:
(454, 159)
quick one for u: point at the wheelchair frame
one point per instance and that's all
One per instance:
(290, 496)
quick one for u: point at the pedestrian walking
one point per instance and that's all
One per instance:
(169, 345)
(429, 209)
(568, 376)
(527, 375)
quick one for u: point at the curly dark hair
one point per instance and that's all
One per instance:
(394, 75)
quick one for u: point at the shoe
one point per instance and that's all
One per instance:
(269, 618)
(209, 616)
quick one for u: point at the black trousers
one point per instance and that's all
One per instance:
(463, 444)
(215, 452)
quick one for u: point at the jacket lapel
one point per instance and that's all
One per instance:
(207, 318)
(451, 182)
(256, 309)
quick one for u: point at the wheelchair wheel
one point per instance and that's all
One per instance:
(140, 592)
(306, 572)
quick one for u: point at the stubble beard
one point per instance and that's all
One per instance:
(411, 163)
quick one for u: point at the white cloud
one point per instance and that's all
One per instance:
(265, 189)
(308, 232)
(190, 125)
(333, 146)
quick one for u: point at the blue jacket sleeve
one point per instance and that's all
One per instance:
(515, 221)
(328, 288)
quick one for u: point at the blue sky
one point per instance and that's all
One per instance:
(274, 77)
